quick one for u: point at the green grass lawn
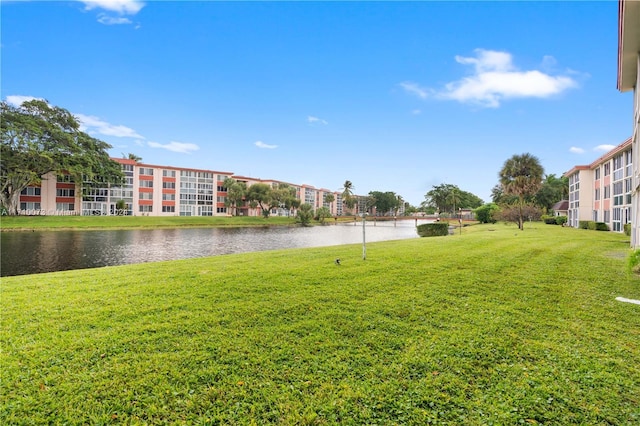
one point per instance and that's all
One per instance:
(494, 326)
(12, 223)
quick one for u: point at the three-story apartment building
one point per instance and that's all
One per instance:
(629, 80)
(602, 191)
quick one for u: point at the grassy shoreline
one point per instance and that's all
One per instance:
(494, 326)
(53, 223)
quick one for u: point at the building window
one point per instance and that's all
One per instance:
(29, 206)
(146, 209)
(146, 171)
(597, 173)
(31, 191)
(169, 173)
(145, 195)
(221, 210)
(168, 209)
(169, 197)
(67, 207)
(169, 185)
(146, 184)
(607, 192)
(607, 169)
(65, 192)
(597, 196)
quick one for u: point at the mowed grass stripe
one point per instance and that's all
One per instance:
(492, 326)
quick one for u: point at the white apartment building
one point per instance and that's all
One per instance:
(602, 191)
(628, 80)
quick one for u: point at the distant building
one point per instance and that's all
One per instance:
(152, 190)
(602, 191)
(628, 79)
(561, 208)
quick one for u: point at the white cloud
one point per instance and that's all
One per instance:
(92, 125)
(415, 89)
(122, 7)
(111, 20)
(263, 145)
(315, 120)
(17, 100)
(576, 150)
(416, 112)
(604, 147)
(182, 147)
(495, 79)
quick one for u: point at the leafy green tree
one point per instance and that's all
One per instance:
(384, 202)
(282, 196)
(323, 213)
(486, 213)
(448, 198)
(36, 139)
(236, 192)
(305, 214)
(553, 189)
(521, 176)
(261, 194)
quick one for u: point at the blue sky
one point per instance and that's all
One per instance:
(393, 96)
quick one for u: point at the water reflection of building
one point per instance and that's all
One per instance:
(152, 190)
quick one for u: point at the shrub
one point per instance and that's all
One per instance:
(561, 220)
(601, 226)
(486, 213)
(633, 262)
(433, 229)
(627, 229)
(583, 224)
(549, 220)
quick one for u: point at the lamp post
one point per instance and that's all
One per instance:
(460, 220)
(364, 239)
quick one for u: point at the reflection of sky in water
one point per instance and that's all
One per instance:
(33, 252)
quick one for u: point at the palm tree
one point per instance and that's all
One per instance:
(134, 157)
(329, 198)
(521, 176)
(347, 195)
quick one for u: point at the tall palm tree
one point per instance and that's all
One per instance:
(329, 198)
(134, 157)
(399, 203)
(348, 198)
(521, 176)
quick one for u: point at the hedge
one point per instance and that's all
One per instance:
(437, 229)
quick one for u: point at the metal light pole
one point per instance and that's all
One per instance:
(364, 239)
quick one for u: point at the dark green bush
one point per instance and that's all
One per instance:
(486, 213)
(627, 229)
(601, 226)
(561, 220)
(433, 229)
(583, 224)
(549, 220)
(591, 225)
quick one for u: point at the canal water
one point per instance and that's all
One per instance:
(47, 251)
